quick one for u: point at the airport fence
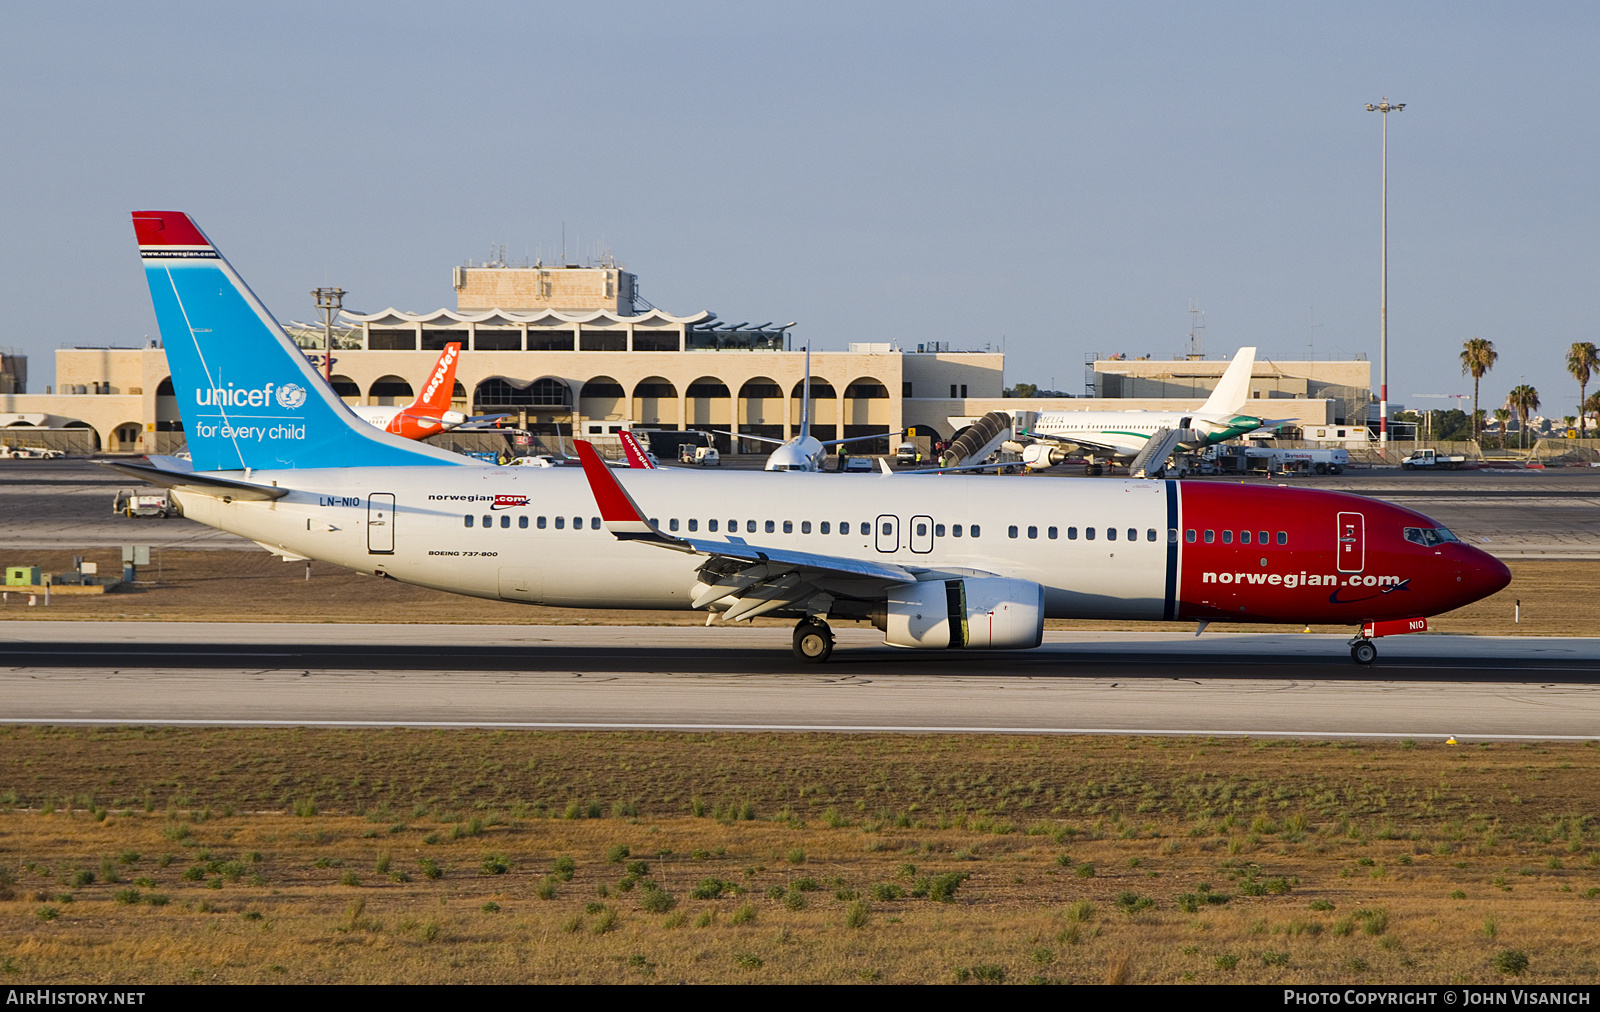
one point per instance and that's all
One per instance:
(76, 440)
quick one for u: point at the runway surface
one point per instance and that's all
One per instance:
(746, 679)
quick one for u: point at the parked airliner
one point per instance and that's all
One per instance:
(934, 562)
(1123, 435)
(430, 411)
(803, 451)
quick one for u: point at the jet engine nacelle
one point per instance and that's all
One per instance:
(978, 613)
(1039, 456)
(452, 418)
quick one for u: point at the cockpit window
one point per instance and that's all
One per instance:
(1428, 537)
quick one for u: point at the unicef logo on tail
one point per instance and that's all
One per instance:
(291, 395)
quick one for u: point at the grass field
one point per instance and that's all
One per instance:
(160, 855)
(191, 586)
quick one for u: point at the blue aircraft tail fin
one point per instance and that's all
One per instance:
(248, 396)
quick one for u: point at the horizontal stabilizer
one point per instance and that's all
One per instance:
(226, 489)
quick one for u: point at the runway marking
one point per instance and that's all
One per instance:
(834, 728)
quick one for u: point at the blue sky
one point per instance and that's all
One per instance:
(1062, 179)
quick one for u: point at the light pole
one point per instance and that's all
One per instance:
(329, 302)
(1385, 107)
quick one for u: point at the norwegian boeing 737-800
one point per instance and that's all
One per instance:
(936, 562)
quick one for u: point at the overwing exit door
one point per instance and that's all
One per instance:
(887, 532)
(1352, 542)
(380, 523)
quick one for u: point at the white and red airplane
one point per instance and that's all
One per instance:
(430, 411)
(936, 563)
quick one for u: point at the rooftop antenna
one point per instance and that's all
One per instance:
(1311, 346)
(563, 244)
(1197, 341)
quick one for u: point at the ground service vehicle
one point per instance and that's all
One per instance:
(1432, 460)
(935, 562)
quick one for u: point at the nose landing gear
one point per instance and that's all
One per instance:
(813, 641)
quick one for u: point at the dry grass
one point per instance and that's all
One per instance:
(1385, 833)
(193, 586)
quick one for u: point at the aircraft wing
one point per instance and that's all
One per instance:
(759, 579)
(1079, 442)
(857, 439)
(486, 422)
(746, 435)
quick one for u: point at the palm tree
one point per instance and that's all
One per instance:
(1477, 357)
(1582, 360)
(1524, 400)
(1590, 406)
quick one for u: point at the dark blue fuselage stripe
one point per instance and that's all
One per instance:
(1170, 610)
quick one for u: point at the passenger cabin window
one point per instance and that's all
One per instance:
(938, 530)
(1211, 536)
(711, 525)
(788, 526)
(750, 526)
(540, 523)
(805, 527)
(976, 530)
(1033, 533)
(771, 527)
(1133, 534)
(1188, 535)
(1111, 534)
(505, 520)
(1227, 537)
(1150, 535)
(1283, 537)
(1265, 538)
(1088, 534)
(594, 523)
(466, 521)
(672, 524)
(561, 523)
(1051, 534)
(922, 530)
(488, 521)
(522, 522)
(824, 528)
(1244, 537)
(1011, 531)
(1072, 534)
(955, 530)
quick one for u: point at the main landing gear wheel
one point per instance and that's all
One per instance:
(1096, 470)
(813, 641)
(1363, 652)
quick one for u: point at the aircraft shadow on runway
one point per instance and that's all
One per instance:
(1055, 661)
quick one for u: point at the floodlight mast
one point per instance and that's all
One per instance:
(329, 302)
(1385, 107)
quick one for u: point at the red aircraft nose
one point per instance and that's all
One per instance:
(1481, 575)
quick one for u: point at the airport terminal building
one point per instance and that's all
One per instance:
(575, 347)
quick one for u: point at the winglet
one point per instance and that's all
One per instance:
(621, 515)
(637, 460)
